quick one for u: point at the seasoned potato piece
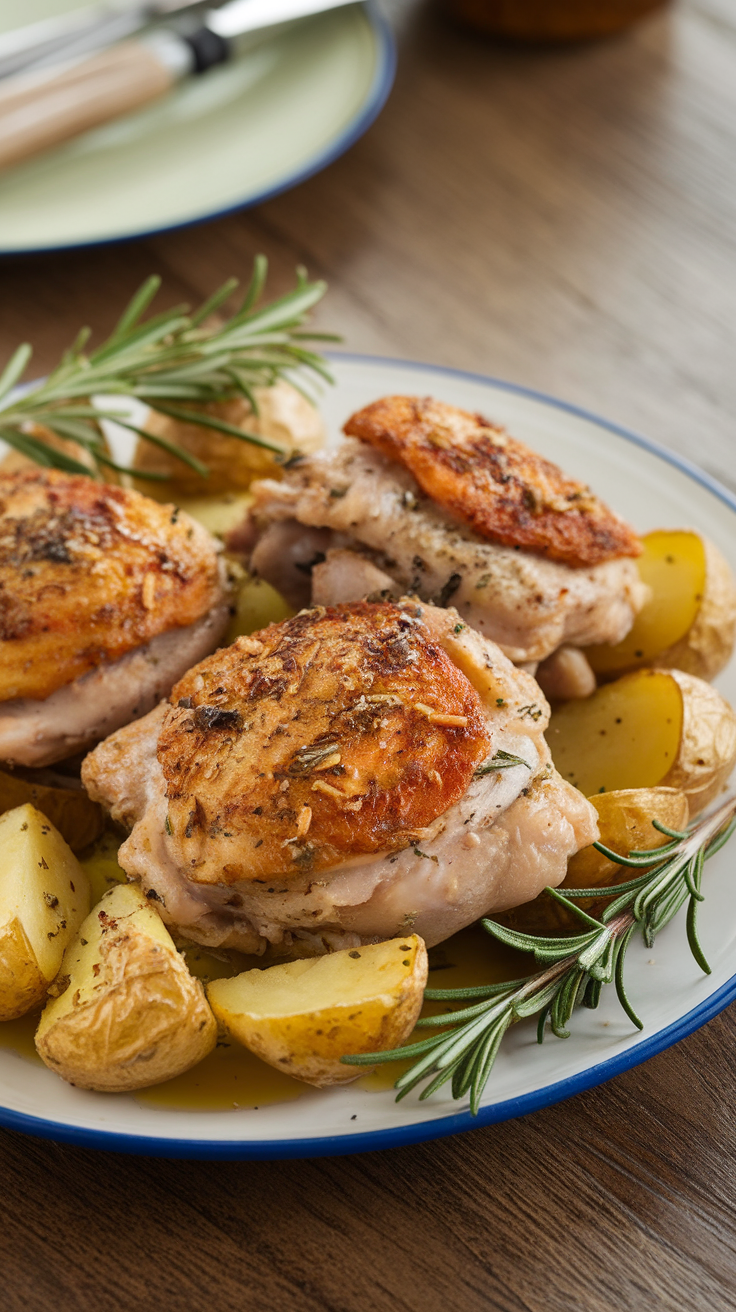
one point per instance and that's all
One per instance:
(649, 728)
(255, 605)
(302, 1017)
(689, 622)
(284, 417)
(100, 864)
(44, 896)
(78, 819)
(218, 514)
(127, 1013)
(625, 820)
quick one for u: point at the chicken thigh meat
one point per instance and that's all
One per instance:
(106, 598)
(446, 505)
(338, 778)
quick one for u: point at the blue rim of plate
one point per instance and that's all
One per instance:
(493, 1113)
(378, 93)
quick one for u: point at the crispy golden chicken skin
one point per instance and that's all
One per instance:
(88, 573)
(493, 483)
(337, 778)
(330, 735)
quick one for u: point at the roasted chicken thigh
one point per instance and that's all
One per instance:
(339, 778)
(449, 507)
(106, 598)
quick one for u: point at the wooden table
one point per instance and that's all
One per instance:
(566, 220)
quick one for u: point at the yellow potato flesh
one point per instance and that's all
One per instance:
(673, 564)
(85, 952)
(128, 1013)
(79, 820)
(219, 514)
(44, 897)
(304, 1015)
(627, 735)
(256, 604)
(101, 867)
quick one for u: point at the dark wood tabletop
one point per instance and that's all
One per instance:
(565, 219)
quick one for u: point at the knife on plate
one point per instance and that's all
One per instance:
(41, 107)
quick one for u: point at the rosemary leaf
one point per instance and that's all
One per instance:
(576, 968)
(170, 357)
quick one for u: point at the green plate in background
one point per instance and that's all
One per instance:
(218, 143)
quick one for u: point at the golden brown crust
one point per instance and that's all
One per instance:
(495, 484)
(89, 572)
(338, 733)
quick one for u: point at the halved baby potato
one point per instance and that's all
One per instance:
(44, 897)
(218, 514)
(625, 822)
(255, 605)
(127, 1013)
(649, 728)
(284, 417)
(303, 1016)
(689, 622)
(79, 820)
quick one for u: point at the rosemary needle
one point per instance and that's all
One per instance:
(574, 967)
(172, 361)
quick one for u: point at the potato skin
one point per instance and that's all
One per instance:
(689, 622)
(625, 820)
(44, 897)
(22, 986)
(632, 729)
(308, 1045)
(707, 753)
(707, 647)
(130, 1015)
(284, 416)
(79, 820)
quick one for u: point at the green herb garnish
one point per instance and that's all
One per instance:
(169, 360)
(575, 967)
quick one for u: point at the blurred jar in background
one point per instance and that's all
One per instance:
(550, 20)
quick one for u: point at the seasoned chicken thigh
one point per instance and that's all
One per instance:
(339, 777)
(449, 507)
(106, 598)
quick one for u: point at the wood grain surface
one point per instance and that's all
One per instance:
(567, 220)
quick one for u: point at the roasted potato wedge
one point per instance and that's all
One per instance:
(303, 1016)
(79, 820)
(44, 897)
(255, 605)
(284, 417)
(127, 1013)
(100, 864)
(625, 820)
(689, 622)
(649, 728)
(218, 514)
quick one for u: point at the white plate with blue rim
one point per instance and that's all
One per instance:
(216, 144)
(651, 487)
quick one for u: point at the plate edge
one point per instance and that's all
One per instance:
(378, 93)
(422, 1131)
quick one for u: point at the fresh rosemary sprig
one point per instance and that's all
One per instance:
(575, 967)
(167, 360)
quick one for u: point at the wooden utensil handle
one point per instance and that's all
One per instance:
(37, 113)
